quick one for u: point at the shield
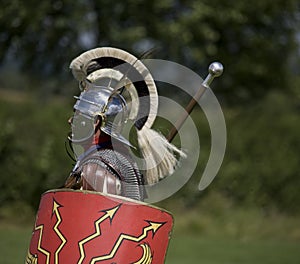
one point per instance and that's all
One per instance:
(88, 227)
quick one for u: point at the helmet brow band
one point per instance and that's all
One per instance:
(132, 74)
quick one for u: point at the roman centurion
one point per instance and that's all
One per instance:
(84, 221)
(116, 88)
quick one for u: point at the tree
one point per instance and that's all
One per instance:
(255, 42)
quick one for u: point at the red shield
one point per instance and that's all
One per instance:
(87, 227)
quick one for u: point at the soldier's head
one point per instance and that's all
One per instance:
(116, 87)
(98, 111)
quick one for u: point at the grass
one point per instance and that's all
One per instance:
(14, 243)
(218, 234)
(191, 249)
(184, 248)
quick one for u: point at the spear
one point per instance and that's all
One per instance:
(215, 70)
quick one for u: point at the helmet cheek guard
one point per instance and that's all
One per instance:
(97, 102)
(83, 128)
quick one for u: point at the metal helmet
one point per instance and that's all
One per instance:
(94, 102)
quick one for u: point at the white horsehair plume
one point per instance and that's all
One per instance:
(160, 156)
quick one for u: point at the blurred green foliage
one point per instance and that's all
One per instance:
(260, 167)
(32, 156)
(257, 43)
(261, 164)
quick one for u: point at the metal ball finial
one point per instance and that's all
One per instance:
(216, 69)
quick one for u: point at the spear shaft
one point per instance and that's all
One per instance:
(215, 70)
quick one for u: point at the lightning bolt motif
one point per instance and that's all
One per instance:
(147, 255)
(57, 231)
(108, 214)
(31, 259)
(151, 227)
(45, 252)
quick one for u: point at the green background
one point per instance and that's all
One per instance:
(250, 213)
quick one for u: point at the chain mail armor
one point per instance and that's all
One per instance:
(120, 166)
